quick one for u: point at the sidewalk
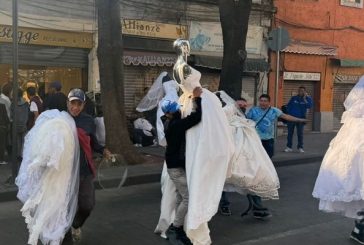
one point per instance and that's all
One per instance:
(316, 145)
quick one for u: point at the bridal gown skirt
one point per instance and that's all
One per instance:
(252, 171)
(340, 182)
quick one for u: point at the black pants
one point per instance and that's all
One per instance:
(140, 138)
(269, 147)
(86, 201)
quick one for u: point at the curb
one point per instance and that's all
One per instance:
(153, 177)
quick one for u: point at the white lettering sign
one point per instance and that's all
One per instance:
(304, 76)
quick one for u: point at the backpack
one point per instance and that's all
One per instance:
(22, 111)
(284, 109)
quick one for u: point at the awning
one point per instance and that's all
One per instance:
(213, 62)
(349, 63)
(312, 48)
(148, 58)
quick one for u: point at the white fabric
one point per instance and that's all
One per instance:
(252, 171)
(168, 203)
(100, 130)
(340, 182)
(154, 95)
(170, 90)
(33, 107)
(144, 125)
(48, 178)
(209, 148)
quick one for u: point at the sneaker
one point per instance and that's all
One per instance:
(225, 211)
(300, 150)
(3, 163)
(358, 233)
(177, 236)
(288, 149)
(262, 214)
(76, 234)
(182, 236)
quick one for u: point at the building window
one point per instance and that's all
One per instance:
(352, 3)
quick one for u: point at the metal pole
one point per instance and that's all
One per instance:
(277, 77)
(14, 160)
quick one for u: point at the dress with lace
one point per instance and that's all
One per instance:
(252, 171)
(340, 182)
(48, 179)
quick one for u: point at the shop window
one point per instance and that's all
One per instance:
(41, 76)
(352, 3)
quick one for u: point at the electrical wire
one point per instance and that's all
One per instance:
(302, 26)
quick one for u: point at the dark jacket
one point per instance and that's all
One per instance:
(175, 133)
(297, 106)
(88, 142)
(57, 100)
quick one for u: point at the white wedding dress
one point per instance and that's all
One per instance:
(209, 148)
(252, 171)
(48, 178)
(340, 182)
(157, 93)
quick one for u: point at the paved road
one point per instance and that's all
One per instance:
(128, 216)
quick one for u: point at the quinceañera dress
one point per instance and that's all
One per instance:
(340, 183)
(48, 178)
(252, 171)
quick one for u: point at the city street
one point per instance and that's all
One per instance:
(129, 216)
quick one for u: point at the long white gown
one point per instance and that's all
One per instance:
(209, 148)
(157, 93)
(252, 171)
(48, 178)
(340, 182)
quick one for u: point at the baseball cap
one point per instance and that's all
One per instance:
(76, 94)
(56, 84)
(170, 106)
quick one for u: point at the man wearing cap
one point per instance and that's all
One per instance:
(55, 99)
(86, 130)
(175, 132)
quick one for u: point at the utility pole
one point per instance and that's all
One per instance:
(14, 160)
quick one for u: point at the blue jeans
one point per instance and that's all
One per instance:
(291, 126)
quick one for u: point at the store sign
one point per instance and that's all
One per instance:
(47, 37)
(302, 76)
(153, 29)
(352, 3)
(207, 37)
(347, 79)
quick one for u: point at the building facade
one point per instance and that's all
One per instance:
(65, 44)
(324, 55)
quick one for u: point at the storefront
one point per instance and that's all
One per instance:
(45, 56)
(306, 64)
(148, 51)
(343, 83)
(294, 80)
(207, 52)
